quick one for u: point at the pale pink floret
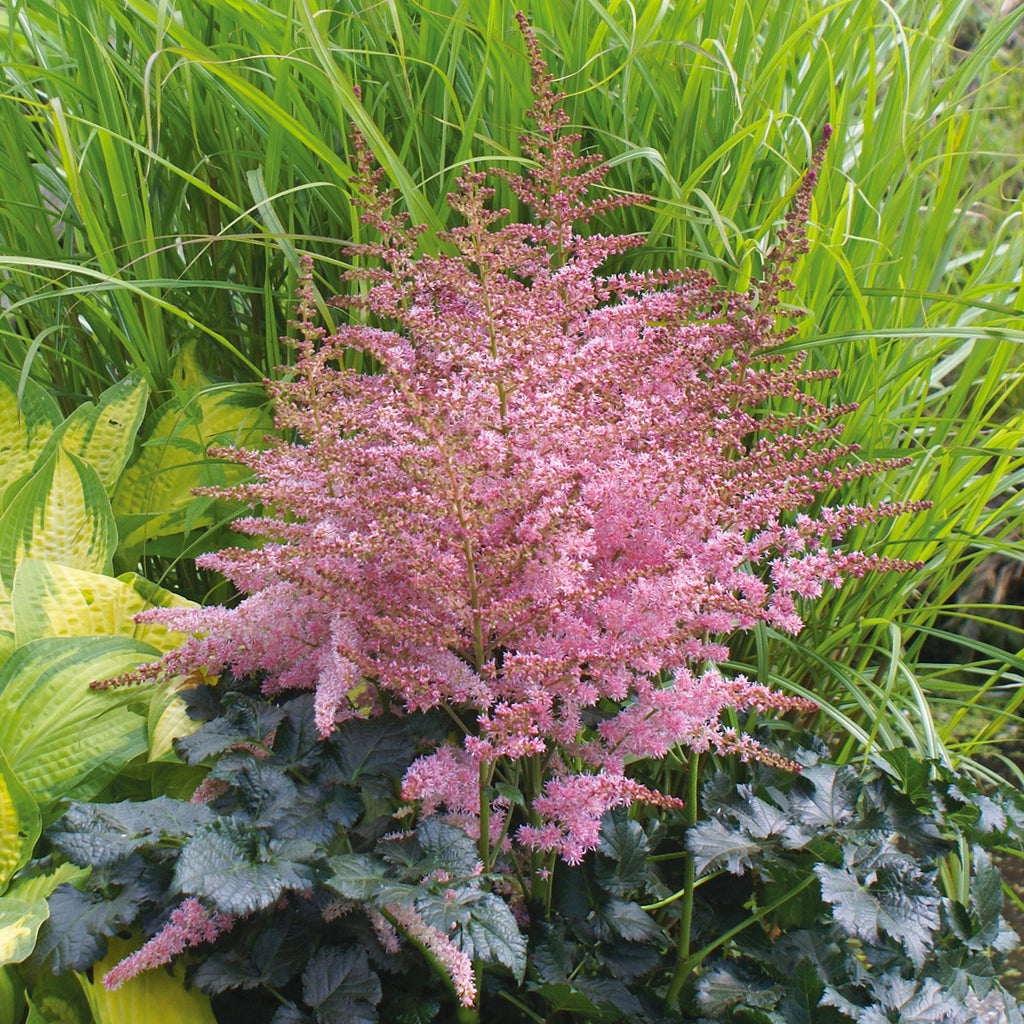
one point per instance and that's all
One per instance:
(191, 924)
(456, 964)
(573, 808)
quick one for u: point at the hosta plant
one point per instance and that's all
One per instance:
(506, 565)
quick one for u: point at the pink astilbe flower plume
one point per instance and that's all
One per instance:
(562, 490)
(191, 924)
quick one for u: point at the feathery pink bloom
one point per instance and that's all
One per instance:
(191, 924)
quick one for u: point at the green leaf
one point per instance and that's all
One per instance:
(241, 872)
(356, 876)
(28, 416)
(51, 599)
(103, 433)
(61, 514)
(99, 835)
(341, 987)
(20, 822)
(20, 922)
(61, 737)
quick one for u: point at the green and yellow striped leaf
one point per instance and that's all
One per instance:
(50, 599)
(61, 513)
(60, 737)
(103, 433)
(19, 823)
(154, 497)
(19, 924)
(25, 425)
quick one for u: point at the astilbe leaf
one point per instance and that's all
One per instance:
(341, 987)
(100, 835)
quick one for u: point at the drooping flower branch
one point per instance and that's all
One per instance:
(550, 507)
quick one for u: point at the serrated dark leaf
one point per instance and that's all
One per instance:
(853, 906)
(416, 1010)
(622, 867)
(610, 991)
(247, 720)
(904, 906)
(726, 986)
(356, 876)
(564, 998)
(908, 911)
(447, 847)
(494, 935)
(904, 1000)
(239, 872)
(716, 844)
(553, 957)
(825, 796)
(341, 988)
(290, 1014)
(367, 747)
(99, 835)
(277, 953)
(629, 960)
(986, 900)
(75, 935)
(630, 922)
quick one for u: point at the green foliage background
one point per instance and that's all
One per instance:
(163, 167)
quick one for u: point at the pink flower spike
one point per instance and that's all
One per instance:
(191, 924)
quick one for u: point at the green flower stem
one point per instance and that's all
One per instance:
(689, 965)
(682, 971)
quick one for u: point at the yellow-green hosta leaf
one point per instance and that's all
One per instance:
(168, 719)
(154, 498)
(156, 996)
(19, 823)
(103, 433)
(60, 737)
(34, 887)
(62, 514)
(50, 599)
(19, 924)
(25, 425)
(58, 999)
(12, 995)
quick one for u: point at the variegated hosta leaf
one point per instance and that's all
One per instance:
(154, 498)
(155, 996)
(62, 514)
(168, 718)
(60, 737)
(103, 433)
(50, 599)
(25, 426)
(19, 924)
(19, 822)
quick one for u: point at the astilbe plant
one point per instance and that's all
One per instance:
(545, 512)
